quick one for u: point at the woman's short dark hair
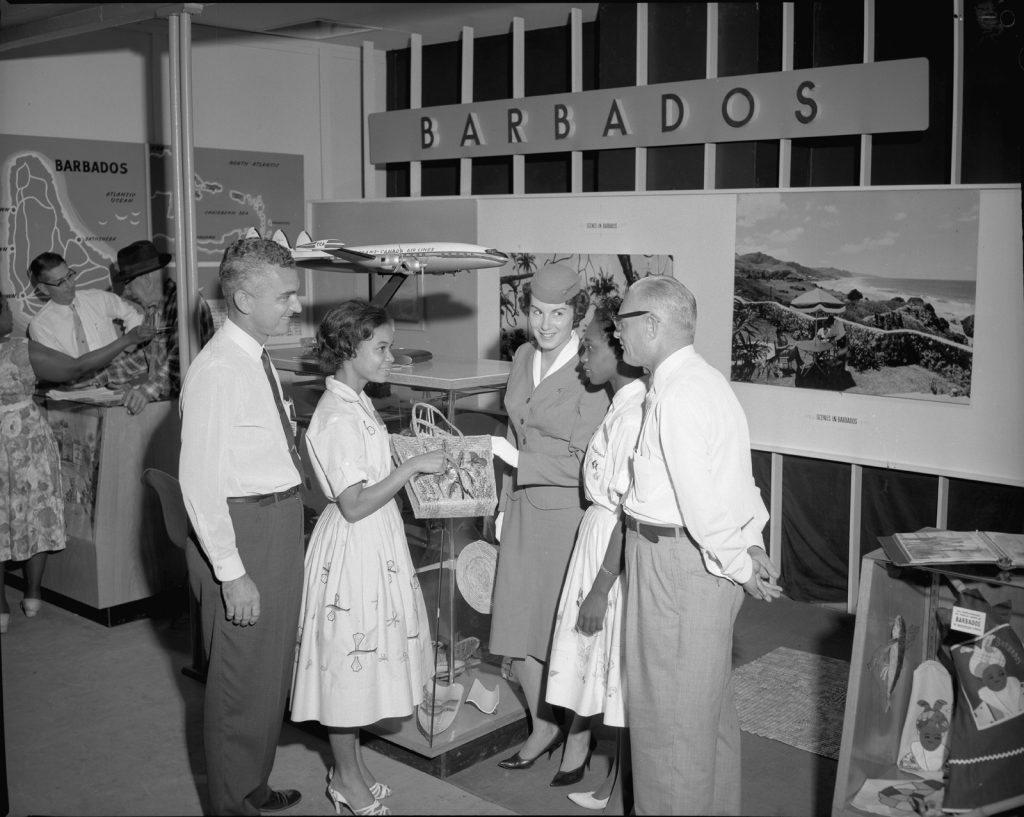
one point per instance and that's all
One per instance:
(344, 328)
(580, 303)
(603, 318)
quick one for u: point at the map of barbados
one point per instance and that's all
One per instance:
(80, 199)
(87, 199)
(235, 190)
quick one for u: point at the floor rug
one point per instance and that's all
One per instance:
(794, 697)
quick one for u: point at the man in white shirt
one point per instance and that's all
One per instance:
(75, 321)
(240, 477)
(693, 545)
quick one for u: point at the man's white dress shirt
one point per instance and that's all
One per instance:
(232, 443)
(691, 467)
(54, 326)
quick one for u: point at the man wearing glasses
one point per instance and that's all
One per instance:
(75, 322)
(693, 546)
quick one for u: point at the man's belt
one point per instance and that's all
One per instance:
(653, 533)
(266, 499)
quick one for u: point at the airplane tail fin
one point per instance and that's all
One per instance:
(280, 238)
(252, 232)
(304, 238)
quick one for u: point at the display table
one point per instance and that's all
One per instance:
(874, 717)
(453, 376)
(117, 556)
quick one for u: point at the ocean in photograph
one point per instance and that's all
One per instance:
(952, 299)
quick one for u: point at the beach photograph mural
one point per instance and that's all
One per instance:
(864, 292)
(605, 277)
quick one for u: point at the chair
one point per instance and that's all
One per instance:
(179, 531)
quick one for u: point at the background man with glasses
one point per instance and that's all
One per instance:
(75, 321)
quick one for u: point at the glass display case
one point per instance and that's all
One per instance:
(471, 708)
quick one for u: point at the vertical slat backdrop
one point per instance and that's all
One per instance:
(518, 92)
(786, 145)
(869, 56)
(466, 165)
(576, 85)
(415, 101)
(958, 92)
(640, 162)
(711, 72)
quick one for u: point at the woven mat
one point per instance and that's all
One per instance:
(794, 697)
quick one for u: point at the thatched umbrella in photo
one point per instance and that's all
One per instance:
(819, 303)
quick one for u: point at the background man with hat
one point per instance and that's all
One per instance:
(148, 372)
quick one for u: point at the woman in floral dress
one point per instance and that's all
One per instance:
(31, 499)
(364, 650)
(584, 670)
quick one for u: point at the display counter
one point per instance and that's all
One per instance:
(454, 377)
(118, 556)
(876, 706)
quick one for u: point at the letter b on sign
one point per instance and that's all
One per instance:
(427, 126)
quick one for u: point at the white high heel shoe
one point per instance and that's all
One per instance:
(586, 799)
(380, 790)
(338, 800)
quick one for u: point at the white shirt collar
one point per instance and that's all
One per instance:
(237, 334)
(343, 390)
(568, 353)
(669, 366)
(631, 391)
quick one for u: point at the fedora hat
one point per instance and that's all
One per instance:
(137, 259)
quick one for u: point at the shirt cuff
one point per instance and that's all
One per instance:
(229, 569)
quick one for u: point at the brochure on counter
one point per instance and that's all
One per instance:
(931, 546)
(100, 395)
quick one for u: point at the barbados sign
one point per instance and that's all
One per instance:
(879, 97)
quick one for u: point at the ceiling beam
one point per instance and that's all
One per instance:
(86, 20)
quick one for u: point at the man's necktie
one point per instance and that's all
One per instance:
(286, 425)
(80, 342)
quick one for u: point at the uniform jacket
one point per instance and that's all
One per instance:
(551, 426)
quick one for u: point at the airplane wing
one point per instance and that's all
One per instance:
(345, 254)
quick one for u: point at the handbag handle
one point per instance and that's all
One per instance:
(428, 421)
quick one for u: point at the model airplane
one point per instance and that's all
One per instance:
(390, 259)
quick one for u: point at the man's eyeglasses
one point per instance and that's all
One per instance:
(618, 319)
(60, 281)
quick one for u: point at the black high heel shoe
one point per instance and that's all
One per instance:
(574, 775)
(517, 761)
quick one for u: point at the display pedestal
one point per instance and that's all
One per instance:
(474, 736)
(874, 715)
(118, 560)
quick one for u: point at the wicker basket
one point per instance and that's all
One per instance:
(466, 487)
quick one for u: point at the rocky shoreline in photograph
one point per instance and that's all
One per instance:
(897, 346)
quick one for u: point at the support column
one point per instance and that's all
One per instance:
(182, 151)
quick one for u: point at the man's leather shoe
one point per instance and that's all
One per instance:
(280, 800)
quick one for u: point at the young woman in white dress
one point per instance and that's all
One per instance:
(364, 649)
(584, 669)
